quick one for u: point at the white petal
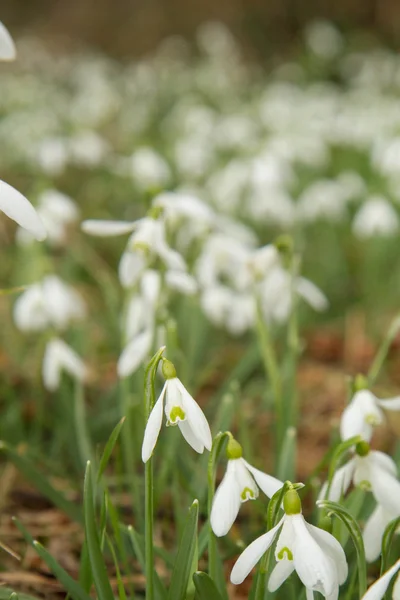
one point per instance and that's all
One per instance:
(190, 436)
(311, 294)
(315, 569)
(378, 589)
(196, 417)
(340, 482)
(386, 489)
(250, 557)
(29, 310)
(226, 502)
(181, 281)
(332, 547)
(384, 461)
(106, 228)
(247, 486)
(390, 403)
(153, 427)
(268, 484)
(373, 532)
(20, 210)
(130, 267)
(60, 357)
(7, 46)
(134, 354)
(353, 421)
(283, 569)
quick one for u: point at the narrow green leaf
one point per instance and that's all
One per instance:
(205, 587)
(355, 533)
(112, 440)
(99, 570)
(41, 483)
(275, 505)
(336, 457)
(73, 588)
(85, 570)
(387, 538)
(137, 542)
(184, 558)
(287, 455)
(121, 587)
(149, 377)
(14, 596)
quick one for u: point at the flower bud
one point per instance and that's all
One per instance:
(292, 503)
(284, 244)
(168, 369)
(360, 383)
(362, 448)
(233, 449)
(325, 523)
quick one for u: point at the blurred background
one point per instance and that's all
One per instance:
(131, 27)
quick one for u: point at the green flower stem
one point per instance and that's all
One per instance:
(271, 369)
(383, 351)
(81, 432)
(149, 401)
(216, 449)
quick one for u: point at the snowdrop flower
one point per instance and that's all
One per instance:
(180, 409)
(239, 484)
(323, 39)
(378, 589)
(372, 471)
(20, 210)
(50, 303)
(57, 212)
(147, 241)
(313, 553)
(276, 294)
(7, 46)
(226, 308)
(59, 357)
(375, 217)
(363, 413)
(176, 205)
(149, 169)
(323, 199)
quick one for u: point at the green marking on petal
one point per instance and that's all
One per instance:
(283, 551)
(372, 420)
(365, 486)
(247, 494)
(141, 246)
(176, 414)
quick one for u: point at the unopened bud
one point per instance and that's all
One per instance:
(325, 523)
(292, 503)
(233, 449)
(168, 369)
(360, 383)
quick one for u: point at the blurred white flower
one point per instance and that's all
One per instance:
(374, 529)
(20, 210)
(59, 357)
(323, 199)
(226, 308)
(149, 169)
(378, 589)
(57, 212)
(51, 154)
(7, 46)
(363, 413)
(324, 39)
(376, 217)
(50, 303)
(180, 409)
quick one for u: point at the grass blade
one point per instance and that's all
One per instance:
(184, 558)
(112, 440)
(205, 587)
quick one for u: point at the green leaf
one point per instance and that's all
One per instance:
(337, 455)
(31, 474)
(99, 570)
(121, 587)
(387, 538)
(8, 594)
(149, 378)
(275, 506)
(73, 588)
(85, 571)
(112, 440)
(137, 542)
(184, 558)
(287, 455)
(205, 587)
(355, 533)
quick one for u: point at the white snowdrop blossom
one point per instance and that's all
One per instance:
(180, 409)
(363, 413)
(239, 484)
(149, 169)
(7, 46)
(375, 472)
(59, 357)
(378, 589)
(313, 553)
(57, 212)
(147, 241)
(376, 217)
(49, 303)
(20, 210)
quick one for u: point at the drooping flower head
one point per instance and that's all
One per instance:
(313, 553)
(7, 46)
(180, 409)
(240, 483)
